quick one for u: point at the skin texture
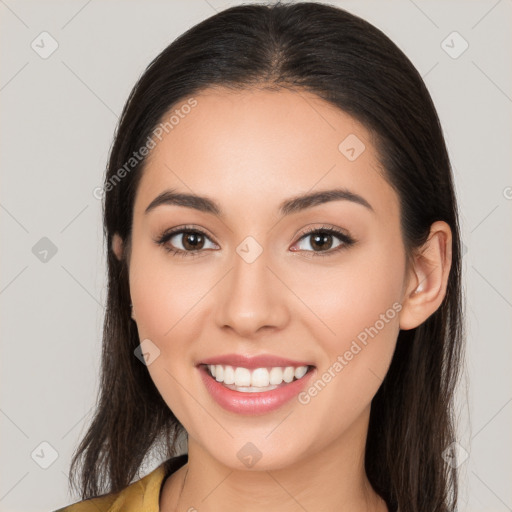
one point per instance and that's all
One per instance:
(249, 151)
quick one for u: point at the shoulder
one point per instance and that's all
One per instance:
(144, 494)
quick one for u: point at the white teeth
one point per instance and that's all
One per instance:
(229, 375)
(300, 372)
(242, 377)
(276, 376)
(288, 374)
(250, 389)
(260, 378)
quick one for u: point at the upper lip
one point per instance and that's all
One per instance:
(251, 362)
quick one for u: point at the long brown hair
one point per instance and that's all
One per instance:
(354, 66)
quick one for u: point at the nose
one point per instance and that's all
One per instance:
(252, 299)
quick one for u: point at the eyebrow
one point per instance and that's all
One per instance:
(287, 207)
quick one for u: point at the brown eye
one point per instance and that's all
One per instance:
(192, 241)
(321, 241)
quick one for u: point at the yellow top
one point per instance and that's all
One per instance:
(141, 496)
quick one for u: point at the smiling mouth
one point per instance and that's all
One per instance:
(257, 380)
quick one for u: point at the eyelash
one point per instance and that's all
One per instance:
(346, 239)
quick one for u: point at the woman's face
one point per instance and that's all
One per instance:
(255, 285)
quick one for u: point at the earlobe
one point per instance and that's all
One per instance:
(117, 246)
(428, 277)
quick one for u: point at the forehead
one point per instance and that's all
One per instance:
(262, 146)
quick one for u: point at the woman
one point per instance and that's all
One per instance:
(284, 277)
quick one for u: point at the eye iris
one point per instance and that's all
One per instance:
(193, 240)
(320, 239)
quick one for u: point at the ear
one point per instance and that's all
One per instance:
(428, 277)
(118, 249)
(117, 246)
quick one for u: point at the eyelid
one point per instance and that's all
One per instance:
(313, 228)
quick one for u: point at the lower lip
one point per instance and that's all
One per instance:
(253, 403)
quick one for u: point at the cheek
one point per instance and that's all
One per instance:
(163, 293)
(356, 351)
(165, 298)
(356, 307)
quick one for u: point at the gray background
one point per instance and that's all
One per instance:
(58, 118)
